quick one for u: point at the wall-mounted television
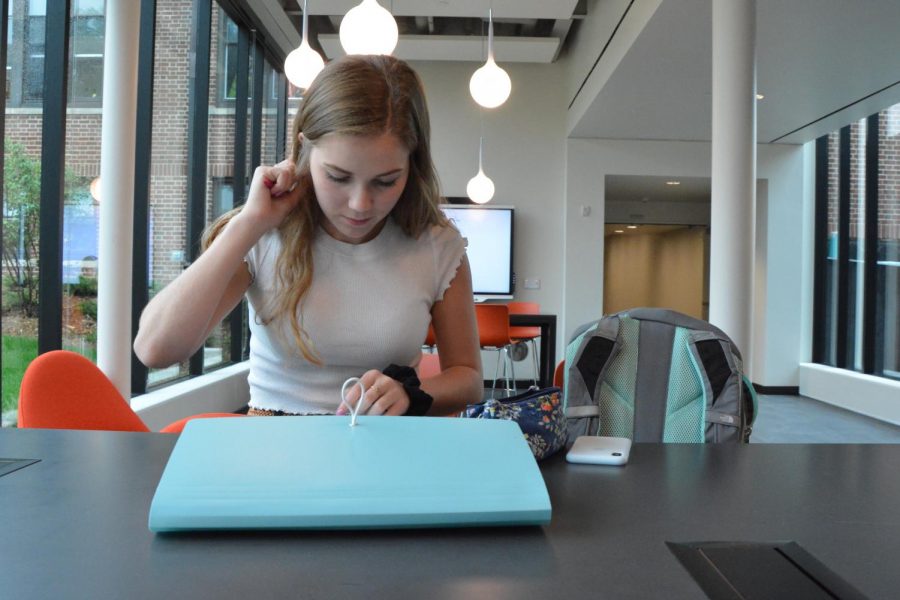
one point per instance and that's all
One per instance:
(489, 235)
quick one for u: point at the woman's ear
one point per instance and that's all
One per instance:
(300, 136)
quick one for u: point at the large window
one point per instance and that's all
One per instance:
(857, 295)
(195, 155)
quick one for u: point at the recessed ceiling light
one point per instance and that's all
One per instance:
(673, 182)
(760, 96)
(620, 231)
(632, 226)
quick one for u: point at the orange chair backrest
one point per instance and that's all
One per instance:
(64, 390)
(524, 308)
(559, 375)
(429, 337)
(493, 325)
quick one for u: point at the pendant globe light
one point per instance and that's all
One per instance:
(368, 28)
(480, 188)
(490, 85)
(303, 63)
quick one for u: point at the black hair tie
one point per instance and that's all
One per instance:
(419, 400)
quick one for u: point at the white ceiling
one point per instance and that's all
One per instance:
(820, 63)
(524, 30)
(814, 57)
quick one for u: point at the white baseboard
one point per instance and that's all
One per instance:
(868, 395)
(223, 390)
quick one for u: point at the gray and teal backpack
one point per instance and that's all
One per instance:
(656, 375)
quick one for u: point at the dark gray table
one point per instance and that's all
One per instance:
(75, 526)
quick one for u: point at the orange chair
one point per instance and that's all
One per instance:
(559, 375)
(430, 339)
(64, 390)
(493, 333)
(526, 334)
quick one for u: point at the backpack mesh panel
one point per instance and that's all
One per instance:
(617, 388)
(685, 404)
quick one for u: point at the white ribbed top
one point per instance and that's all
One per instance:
(369, 306)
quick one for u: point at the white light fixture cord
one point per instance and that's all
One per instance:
(303, 63)
(480, 152)
(491, 34)
(305, 25)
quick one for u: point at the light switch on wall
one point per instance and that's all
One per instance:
(585, 210)
(532, 284)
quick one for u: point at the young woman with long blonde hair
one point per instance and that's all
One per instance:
(344, 256)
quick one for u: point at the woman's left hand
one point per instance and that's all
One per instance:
(384, 396)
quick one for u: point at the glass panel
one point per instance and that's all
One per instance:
(228, 66)
(220, 165)
(32, 66)
(87, 36)
(293, 105)
(10, 37)
(248, 122)
(168, 160)
(829, 327)
(81, 212)
(269, 114)
(856, 278)
(21, 217)
(887, 348)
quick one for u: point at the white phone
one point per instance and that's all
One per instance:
(599, 450)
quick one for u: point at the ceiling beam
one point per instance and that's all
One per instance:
(519, 9)
(460, 48)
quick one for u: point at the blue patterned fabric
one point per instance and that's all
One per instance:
(539, 414)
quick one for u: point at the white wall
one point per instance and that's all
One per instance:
(779, 318)
(524, 154)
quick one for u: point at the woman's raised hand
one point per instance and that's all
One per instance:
(274, 192)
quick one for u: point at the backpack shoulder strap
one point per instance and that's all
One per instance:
(591, 353)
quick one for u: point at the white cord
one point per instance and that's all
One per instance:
(362, 396)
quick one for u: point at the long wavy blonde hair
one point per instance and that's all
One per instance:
(353, 95)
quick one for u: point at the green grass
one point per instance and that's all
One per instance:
(17, 353)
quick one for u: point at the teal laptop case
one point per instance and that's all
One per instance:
(320, 473)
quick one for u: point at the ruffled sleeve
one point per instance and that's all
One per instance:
(262, 254)
(448, 247)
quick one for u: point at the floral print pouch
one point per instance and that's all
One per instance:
(539, 414)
